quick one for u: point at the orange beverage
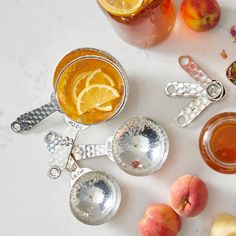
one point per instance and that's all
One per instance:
(150, 24)
(90, 86)
(218, 142)
(81, 52)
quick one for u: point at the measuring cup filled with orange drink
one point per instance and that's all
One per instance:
(90, 86)
(142, 23)
(89, 89)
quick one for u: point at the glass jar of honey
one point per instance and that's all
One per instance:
(217, 143)
(150, 24)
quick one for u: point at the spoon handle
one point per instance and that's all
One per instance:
(29, 119)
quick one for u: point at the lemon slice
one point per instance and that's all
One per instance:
(99, 77)
(94, 96)
(122, 7)
(78, 84)
(104, 108)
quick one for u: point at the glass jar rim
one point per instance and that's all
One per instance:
(102, 53)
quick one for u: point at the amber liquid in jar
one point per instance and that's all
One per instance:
(223, 142)
(149, 26)
(217, 143)
(70, 82)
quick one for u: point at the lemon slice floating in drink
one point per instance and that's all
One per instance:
(79, 84)
(89, 78)
(99, 77)
(122, 7)
(105, 108)
(95, 96)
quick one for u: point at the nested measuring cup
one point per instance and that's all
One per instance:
(29, 119)
(94, 196)
(139, 147)
(86, 102)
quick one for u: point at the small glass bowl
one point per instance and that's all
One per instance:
(205, 143)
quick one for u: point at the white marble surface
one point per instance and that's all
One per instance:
(34, 35)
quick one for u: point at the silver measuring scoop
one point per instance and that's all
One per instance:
(139, 147)
(94, 195)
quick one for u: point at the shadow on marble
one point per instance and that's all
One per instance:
(130, 205)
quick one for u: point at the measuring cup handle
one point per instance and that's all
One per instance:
(79, 152)
(60, 157)
(62, 153)
(194, 70)
(189, 113)
(74, 170)
(29, 119)
(184, 89)
(88, 151)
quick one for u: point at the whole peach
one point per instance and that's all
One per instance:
(200, 15)
(159, 220)
(188, 196)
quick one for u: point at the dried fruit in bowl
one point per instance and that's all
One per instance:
(231, 73)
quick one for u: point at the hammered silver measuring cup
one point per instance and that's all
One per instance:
(60, 157)
(29, 119)
(94, 196)
(139, 147)
(205, 92)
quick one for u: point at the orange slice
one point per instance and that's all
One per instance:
(122, 7)
(94, 96)
(99, 77)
